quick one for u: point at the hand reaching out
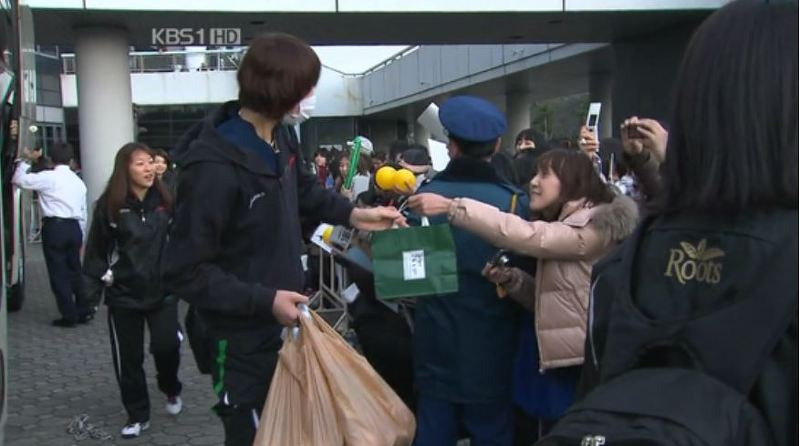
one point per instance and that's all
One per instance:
(429, 204)
(377, 219)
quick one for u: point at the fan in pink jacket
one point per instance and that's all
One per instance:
(580, 221)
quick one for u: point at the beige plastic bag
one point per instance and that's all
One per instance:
(324, 393)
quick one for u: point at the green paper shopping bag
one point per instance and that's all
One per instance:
(415, 261)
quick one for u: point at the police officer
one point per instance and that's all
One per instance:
(465, 342)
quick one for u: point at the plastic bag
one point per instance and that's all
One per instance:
(325, 393)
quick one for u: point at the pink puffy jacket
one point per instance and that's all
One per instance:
(566, 250)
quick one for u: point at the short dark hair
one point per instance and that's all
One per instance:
(577, 175)
(416, 155)
(474, 149)
(733, 142)
(61, 153)
(537, 137)
(323, 153)
(396, 148)
(276, 73)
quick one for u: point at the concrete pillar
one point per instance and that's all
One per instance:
(518, 114)
(645, 71)
(105, 109)
(601, 90)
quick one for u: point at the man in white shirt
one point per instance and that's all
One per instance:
(62, 198)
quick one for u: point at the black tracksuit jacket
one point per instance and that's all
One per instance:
(235, 238)
(133, 243)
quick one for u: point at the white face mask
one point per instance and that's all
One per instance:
(302, 112)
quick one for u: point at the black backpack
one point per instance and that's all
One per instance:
(696, 392)
(660, 407)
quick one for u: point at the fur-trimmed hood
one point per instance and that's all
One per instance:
(615, 221)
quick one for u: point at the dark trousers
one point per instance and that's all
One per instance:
(528, 430)
(439, 422)
(61, 242)
(242, 371)
(126, 328)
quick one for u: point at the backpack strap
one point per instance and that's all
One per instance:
(514, 199)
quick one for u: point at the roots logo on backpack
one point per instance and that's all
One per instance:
(695, 263)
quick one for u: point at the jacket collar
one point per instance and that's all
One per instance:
(469, 169)
(573, 206)
(213, 147)
(152, 200)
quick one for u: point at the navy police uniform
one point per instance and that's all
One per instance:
(464, 343)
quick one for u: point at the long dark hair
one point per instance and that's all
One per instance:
(118, 188)
(577, 175)
(733, 142)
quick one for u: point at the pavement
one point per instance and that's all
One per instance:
(56, 374)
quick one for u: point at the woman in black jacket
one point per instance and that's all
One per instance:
(165, 171)
(122, 261)
(709, 281)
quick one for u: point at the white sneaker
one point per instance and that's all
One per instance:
(133, 430)
(174, 405)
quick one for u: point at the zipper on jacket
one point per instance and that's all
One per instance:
(590, 328)
(536, 314)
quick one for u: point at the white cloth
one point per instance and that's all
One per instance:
(62, 193)
(360, 184)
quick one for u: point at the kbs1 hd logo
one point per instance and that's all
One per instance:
(695, 263)
(196, 36)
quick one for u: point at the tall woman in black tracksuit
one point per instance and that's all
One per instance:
(122, 260)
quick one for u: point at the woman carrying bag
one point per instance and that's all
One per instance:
(123, 256)
(580, 220)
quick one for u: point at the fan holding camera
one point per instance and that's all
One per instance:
(511, 280)
(644, 142)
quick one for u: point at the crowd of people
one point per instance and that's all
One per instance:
(667, 256)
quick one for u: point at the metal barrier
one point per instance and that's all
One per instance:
(328, 301)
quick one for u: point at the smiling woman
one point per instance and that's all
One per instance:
(580, 222)
(134, 172)
(123, 255)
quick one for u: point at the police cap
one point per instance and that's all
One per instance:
(472, 119)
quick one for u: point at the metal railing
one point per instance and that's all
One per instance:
(173, 61)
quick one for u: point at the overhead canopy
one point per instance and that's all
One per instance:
(406, 22)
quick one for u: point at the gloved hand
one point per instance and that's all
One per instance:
(519, 285)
